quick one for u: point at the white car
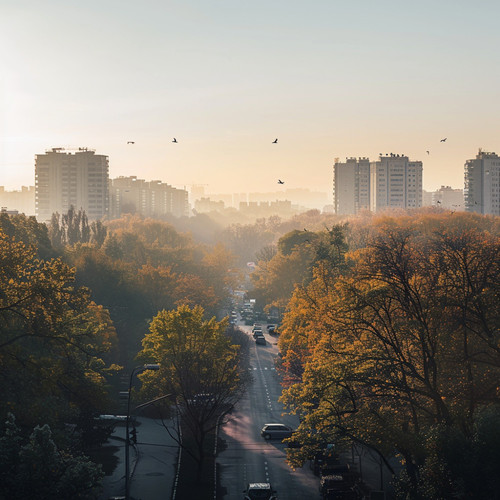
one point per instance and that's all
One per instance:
(260, 491)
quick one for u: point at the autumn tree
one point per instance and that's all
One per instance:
(198, 367)
(405, 339)
(53, 339)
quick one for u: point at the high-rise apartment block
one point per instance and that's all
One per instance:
(391, 182)
(481, 184)
(351, 186)
(64, 179)
(147, 198)
(396, 182)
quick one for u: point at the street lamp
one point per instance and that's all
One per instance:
(137, 369)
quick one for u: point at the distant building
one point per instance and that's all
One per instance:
(481, 184)
(147, 198)
(206, 205)
(447, 197)
(395, 182)
(64, 179)
(197, 192)
(427, 198)
(22, 201)
(282, 208)
(351, 186)
(297, 196)
(391, 182)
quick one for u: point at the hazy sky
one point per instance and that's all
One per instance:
(226, 77)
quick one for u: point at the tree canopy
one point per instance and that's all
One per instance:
(405, 338)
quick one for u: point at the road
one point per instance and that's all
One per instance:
(247, 457)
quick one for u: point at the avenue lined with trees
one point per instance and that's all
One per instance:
(389, 338)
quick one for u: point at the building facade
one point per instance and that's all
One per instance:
(395, 182)
(23, 201)
(147, 198)
(351, 186)
(481, 184)
(447, 197)
(64, 179)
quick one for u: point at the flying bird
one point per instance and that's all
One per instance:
(275, 141)
(428, 152)
(443, 140)
(438, 201)
(280, 181)
(130, 142)
(175, 140)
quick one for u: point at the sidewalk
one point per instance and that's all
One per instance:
(153, 462)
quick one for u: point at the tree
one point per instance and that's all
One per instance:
(404, 339)
(198, 367)
(52, 339)
(38, 470)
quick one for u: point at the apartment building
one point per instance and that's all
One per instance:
(22, 200)
(351, 186)
(65, 178)
(147, 198)
(395, 182)
(447, 197)
(481, 184)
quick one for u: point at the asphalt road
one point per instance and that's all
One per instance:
(247, 457)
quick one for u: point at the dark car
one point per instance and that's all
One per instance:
(257, 331)
(260, 339)
(276, 431)
(260, 491)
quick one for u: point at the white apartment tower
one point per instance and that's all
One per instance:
(64, 179)
(481, 184)
(351, 186)
(395, 182)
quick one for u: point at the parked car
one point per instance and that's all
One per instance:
(260, 339)
(260, 491)
(276, 431)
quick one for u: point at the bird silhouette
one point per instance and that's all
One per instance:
(443, 140)
(428, 152)
(130, 142)
(175, 140)
(275, 141)
(280, 181)
(438, 202)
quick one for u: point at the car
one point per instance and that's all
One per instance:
(259, 491)
(276, 431)
(260, 339)
(257, 331)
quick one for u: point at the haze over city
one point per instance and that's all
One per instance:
(328, 79)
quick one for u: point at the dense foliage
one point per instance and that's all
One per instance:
(199, 369)
(35, 468)
(395, 344)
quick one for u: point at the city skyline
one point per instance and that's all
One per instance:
(328, 80)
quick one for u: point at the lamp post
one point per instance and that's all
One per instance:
(137, 369)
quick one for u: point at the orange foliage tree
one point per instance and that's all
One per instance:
(405, 338)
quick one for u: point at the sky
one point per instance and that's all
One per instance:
(329, 79)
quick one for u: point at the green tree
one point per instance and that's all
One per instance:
(198, 367)
(38, 470)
